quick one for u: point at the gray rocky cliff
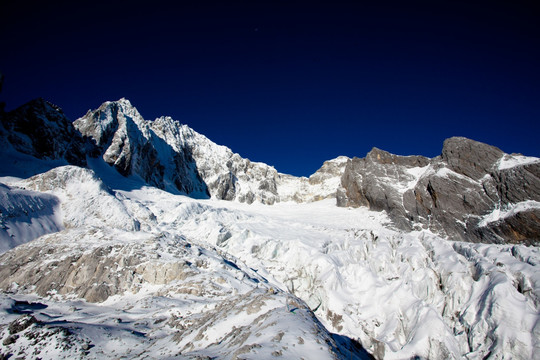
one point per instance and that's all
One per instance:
(379, 181)
(227, 175)
(40, 129)
(472, 192)
(170, 155)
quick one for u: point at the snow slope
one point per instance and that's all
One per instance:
(119, 281)
(400, 294)
(26, 215)
(509, 161)
(226, 279)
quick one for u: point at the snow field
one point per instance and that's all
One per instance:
(211, 275)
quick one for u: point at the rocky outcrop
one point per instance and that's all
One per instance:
(41, 129)
(131, 145)
(93, 275)
(227, 175)
(470, 158)
(460, 194)
(166, 298)
(322, 184)
(379, 181)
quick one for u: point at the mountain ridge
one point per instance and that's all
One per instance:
(111, 258)
(172, 156)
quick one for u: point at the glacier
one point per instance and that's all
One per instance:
(118, 260)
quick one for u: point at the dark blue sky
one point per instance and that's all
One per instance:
(287, 83)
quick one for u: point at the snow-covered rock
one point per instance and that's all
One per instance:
(84, 198)
(173, 156)
(126, 141)
(201, 267)
(158, 295)
(451, 194)
(227, 175)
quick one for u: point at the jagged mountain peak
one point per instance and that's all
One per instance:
(41, 129)
(127, 142)
(122, 102)
(337, 160)
(43, 105)
(109, 114)
(132, 146)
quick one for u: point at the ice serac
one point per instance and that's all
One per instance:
(129, 143)
(40, 129)
(148, 294)
(460, 194)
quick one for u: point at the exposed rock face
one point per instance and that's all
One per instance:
(41, 129)
(129, 143)
(472, 192)
(94, 275)
(379, 180)
(470, 158)
(227, 175)
(172, 156)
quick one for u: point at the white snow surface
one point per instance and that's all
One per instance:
(400, 294)
(509, 161)
(508, 211)
(26, 215)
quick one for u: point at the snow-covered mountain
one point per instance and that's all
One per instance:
(172, 156)
(133, 238)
